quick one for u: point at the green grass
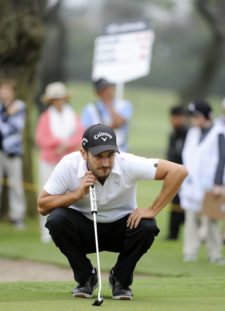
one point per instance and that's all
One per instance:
(155, 294)
(163, 281)
(163, 260)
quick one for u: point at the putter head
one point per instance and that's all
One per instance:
(98, 302)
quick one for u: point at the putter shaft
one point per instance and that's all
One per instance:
(94, 211)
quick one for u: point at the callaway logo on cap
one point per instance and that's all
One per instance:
(99, 138)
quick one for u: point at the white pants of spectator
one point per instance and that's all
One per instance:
(12, 168)
(192, 238)
(45, 170)
(203, 228)
(223, 223)
(223, 231)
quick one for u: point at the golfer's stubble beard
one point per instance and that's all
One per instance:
(101, 172)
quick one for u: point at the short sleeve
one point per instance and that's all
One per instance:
(140, 167)
(125, 110)
(58, 180)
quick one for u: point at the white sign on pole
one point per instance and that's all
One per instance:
(124, 53)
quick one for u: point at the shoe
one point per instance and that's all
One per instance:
(18, 224)
(119, 291)
(220, 261)
(46, 238)
(86, 290)
(189, 258)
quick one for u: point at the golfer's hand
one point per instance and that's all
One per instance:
(137, 215)
(88, 180)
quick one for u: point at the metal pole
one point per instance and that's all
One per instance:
(119, 91)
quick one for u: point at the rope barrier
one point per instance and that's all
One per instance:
(26, 185)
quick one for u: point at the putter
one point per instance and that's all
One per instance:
(94, 210)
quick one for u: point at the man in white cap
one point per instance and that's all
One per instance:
(122, 226)
(204, 156)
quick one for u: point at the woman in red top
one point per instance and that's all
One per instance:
(59, 132)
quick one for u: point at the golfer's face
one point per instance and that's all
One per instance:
(101, 164)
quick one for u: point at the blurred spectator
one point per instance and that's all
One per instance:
(204, 157)
(109, 111)
(59, 132)
(221, 119)
(12, 121)
(221, 122)
(178, 121)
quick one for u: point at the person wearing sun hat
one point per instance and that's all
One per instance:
(55, 90)
(58, 132)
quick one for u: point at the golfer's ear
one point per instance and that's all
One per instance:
(83, 153)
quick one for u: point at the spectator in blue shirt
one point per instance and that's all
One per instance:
(12, 120)
(107, 110)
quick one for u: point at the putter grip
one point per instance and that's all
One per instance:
(92, 193)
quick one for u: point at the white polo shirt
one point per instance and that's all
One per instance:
(117, 197)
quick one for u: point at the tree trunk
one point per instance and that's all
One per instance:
(21, 40)
(52, 66)
(213, 13)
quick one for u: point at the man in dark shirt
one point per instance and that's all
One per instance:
(178, 120)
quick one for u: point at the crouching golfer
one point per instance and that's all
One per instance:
(122, 226)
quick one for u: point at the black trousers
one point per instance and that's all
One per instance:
(176, 220)
(73, 234)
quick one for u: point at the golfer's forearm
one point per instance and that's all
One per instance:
(171, 185)
(47, 203)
